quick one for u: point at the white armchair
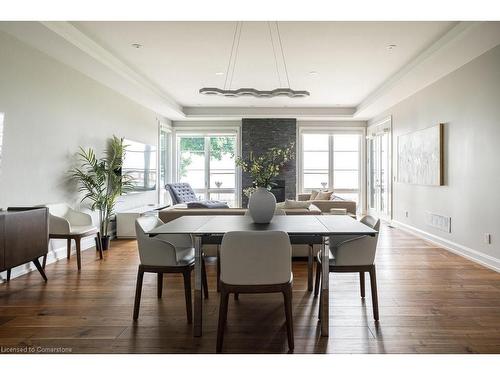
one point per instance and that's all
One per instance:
(255, 262)
(355, 254)
(67, 223)
(164, 254)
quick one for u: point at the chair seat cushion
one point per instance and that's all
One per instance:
(81, 229)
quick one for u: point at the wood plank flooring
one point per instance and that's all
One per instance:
(431, 301)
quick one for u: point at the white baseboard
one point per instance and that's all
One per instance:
(53, 255)
(471, 254)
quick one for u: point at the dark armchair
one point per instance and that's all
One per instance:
(181, 192)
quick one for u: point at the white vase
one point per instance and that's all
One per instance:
(261, 205)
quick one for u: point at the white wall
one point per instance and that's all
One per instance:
(49, 111)
(467, 101)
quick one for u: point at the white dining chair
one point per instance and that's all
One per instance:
(354, 254)
(165, 254)
(255, 262)
(67, 223)
(277, 212)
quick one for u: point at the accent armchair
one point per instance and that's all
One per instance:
(181, 192)
(67, 223)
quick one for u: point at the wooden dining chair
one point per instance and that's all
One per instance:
(255, 262)
(354, 254)
(172, 253)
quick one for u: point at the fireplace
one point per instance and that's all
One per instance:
(279, 190)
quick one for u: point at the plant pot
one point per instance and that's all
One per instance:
(261, 205)
(105, 242)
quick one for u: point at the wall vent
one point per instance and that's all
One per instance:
(443, 223)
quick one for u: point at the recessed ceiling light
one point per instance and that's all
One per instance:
(390, 47)
(219, 73)
(136, 45)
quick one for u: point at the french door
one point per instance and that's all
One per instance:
(379, 173)
(207, 163)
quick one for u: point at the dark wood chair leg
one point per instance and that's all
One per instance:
(39, 268)
(320, 293)
(68, 248)
(236, 296)
(9, 271)
(160, 284)
(138, 291)
(99, 244)
(44, 261)
(318, 278)
(362, 283)
(187, 293)
(310, 269)
(373, 283)
(78, 254)
(224, 299)
(287, 296)
(204, 278)
(218, 268)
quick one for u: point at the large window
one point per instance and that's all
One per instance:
(332, 161)
(207, 163)
(165, 163)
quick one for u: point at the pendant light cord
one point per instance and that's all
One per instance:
(274, 53)
(231, 55)
(282, 53)
(236, 52)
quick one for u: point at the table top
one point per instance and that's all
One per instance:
(293, 225)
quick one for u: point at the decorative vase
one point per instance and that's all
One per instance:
(261, 205)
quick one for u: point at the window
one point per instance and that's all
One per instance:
(207, 163)
(165, 163)
(332, 160)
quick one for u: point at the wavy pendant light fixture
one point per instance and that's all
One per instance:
(280, 91)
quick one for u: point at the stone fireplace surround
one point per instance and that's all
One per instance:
(259, 135)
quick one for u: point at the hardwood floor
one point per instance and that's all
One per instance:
(430, 300)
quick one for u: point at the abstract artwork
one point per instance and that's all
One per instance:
(420, 157)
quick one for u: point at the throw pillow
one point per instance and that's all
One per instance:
(336, 198)
(296, 204)
(314, 193)
(324, 195)
(280, 205)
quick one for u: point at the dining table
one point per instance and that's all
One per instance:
(301, 228)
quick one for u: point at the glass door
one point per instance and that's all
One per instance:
(207, 163)
(379, 175)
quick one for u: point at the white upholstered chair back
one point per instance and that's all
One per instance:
(358, 251)
(256, 258)
(64, 220)
(153, 251)
(58, 209)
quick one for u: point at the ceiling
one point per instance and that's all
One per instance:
(351, 59)
(357, 78)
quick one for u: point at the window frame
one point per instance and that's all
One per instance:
(164, 128)
(332, 131)
(213, 132)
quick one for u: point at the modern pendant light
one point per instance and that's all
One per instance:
(280, 91)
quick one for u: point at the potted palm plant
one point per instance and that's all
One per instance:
(102, 182)
(264, 169)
